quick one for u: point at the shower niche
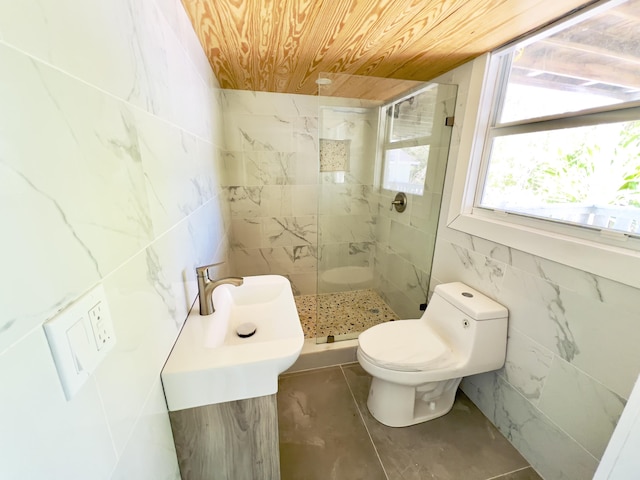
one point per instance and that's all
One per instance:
(377, 138)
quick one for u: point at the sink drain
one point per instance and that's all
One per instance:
(246, 330)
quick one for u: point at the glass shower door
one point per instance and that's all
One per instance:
(372, 262)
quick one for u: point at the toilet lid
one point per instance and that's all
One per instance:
(408, 345)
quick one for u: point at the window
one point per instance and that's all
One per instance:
(563, 136)
(408, 135)
(549, 154)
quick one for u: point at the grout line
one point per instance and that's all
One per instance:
(103, 89)
(308, 370)
(509, 473)
(542, 416)
(118, 454)
(136, 422)
(353, 397)
(23, 337)
(571, 364)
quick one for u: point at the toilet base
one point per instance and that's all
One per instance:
(397, 405)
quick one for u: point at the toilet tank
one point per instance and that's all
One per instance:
(472, 324)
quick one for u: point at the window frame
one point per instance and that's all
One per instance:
(386, 144)
(610, 254)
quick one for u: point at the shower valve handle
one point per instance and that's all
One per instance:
(400, 202)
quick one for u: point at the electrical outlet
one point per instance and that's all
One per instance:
(100, 325)
(79, 338)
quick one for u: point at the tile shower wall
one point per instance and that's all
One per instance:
(404, 247)
(271, 176)
(347, 204)
(109, 135)
(279, 203)
(572, 355)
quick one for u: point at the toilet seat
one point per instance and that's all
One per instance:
(405, 345)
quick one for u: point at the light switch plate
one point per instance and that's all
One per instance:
(79, 338)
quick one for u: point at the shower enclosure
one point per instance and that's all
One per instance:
(377, 138)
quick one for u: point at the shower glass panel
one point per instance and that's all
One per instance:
(377, 137)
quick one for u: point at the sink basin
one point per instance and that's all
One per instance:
(211, 364)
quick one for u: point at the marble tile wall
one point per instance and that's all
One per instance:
(620, 459)
(280, 205)
(271, 180)
(110, 161)
(403, 250)
(333, 228)
(347, 205)
(572, 355)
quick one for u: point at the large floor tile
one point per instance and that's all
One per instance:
(461, 444)
(321, 433)
(524, 474)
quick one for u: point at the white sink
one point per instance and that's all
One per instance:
(211, 364)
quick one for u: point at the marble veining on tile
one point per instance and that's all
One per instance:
(570, 397)
(483, 267)
(109, 173)
(321, 434)
(56, 207)
(290, 230)
(565, 341)
(157, 278)
(527, 365)
(549, 450)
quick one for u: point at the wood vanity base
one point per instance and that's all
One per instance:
(234, 440)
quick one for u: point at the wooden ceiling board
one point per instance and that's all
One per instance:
(404, 39)
(283, 45)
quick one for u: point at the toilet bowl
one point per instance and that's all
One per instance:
(418, 364)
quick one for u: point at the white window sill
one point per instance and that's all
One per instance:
(612, 260)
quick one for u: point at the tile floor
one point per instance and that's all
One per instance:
(342, 314)
(326, 432)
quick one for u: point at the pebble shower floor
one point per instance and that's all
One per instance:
(342, 314)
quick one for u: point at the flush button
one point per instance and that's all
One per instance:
(467, 294)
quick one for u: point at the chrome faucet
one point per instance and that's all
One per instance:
(206, 286)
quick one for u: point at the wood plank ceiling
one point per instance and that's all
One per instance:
(283, 45)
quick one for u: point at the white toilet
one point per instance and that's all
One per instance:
(417, 365)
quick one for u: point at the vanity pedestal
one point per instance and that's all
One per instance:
(234, 440)
(220, 381)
